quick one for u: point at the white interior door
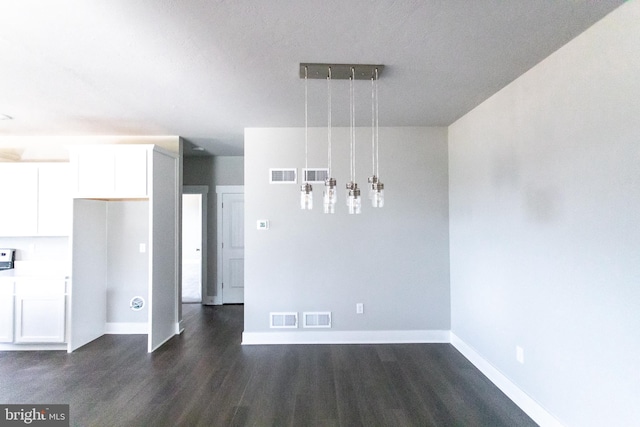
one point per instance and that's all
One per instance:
(192, 248)
(232, 247)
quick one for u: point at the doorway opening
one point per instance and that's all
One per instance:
(194, 243)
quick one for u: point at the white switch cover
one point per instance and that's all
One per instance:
(143, 248)
(359, 308)
(263, 224)
(520, 354)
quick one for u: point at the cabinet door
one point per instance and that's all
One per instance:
(6, 315)
(19, 195)
(95, 172)
(54, 199)
(39, 317)
(131, 171)
(111, 171)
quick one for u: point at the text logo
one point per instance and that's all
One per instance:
(34, 415)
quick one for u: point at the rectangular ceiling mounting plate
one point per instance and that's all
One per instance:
(340, 71)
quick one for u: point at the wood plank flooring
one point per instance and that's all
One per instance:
(206, 378)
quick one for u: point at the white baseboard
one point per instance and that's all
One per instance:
(126, 328)
(513, 392)
(179, 327)
(32, 347)
(345, 337)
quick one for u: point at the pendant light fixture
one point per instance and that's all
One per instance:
(376, 187)
(330, 193)
(354, 203)
(306, 191)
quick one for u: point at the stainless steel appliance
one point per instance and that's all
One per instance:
(7, 258)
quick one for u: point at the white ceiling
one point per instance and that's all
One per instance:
(206, 69)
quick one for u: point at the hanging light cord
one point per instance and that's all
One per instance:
(353, 124)
(377, 160)
(329, 121)
(373, 135)
(306, 125)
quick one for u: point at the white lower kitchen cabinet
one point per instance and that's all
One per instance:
(40, 319)
(40, 311)
(6, 314)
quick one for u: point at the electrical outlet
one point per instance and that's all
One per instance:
(359, 308)
(520, 354)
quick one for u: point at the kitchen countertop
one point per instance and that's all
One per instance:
(13, 274)
(34, 270)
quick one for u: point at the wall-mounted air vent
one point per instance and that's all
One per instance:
(317, 319)
(283, 320)
(317, 176)
(283, 176)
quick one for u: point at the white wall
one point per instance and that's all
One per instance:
(45, 250)
(127, 267)
(228, 170)
(394, 259)
(544, 222)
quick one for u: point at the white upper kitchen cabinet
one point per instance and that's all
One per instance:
(131, 171)
(54, 199)
(36, 200)
(111, 171)
(19, 211)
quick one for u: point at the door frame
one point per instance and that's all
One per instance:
(203, 190)
(220, 190)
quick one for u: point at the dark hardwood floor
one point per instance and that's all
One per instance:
(206, 378)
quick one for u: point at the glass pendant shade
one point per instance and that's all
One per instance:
(372, 181)
(349, 187)
(306, 196)
(353, 200)
(377, 195)
(330, 196)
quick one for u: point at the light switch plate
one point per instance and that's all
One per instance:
(263, 224)
(520, 354)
